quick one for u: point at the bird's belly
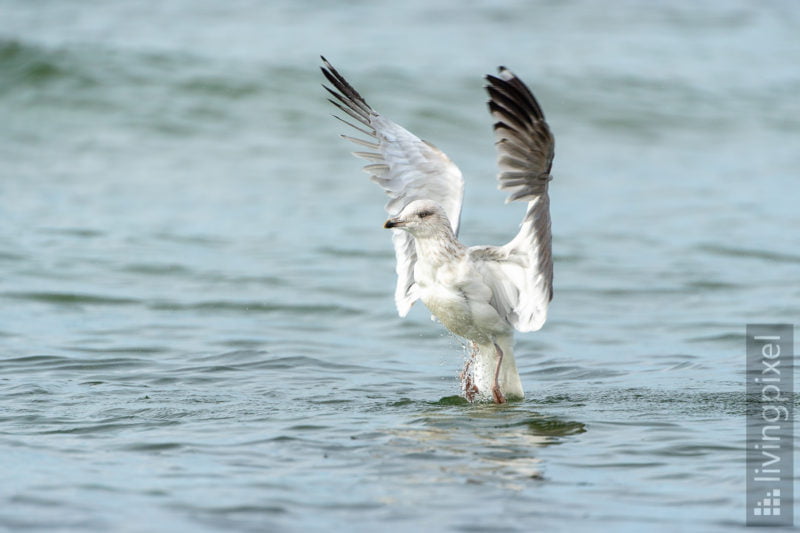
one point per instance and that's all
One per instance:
(451, 308)
(472, 319)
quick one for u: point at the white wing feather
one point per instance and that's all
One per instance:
(406, 167)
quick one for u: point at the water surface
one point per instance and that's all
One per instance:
(197, 329)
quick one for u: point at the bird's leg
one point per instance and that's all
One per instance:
(470, 389)
(497, 394)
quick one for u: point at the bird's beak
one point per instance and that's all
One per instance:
(394, 223)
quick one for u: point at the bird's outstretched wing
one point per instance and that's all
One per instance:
(520, 273)
(407, 168)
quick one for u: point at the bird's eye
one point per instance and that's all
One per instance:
(424, 214)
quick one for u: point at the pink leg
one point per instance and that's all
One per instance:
(497, 394)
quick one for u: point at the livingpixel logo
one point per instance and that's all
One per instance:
(770, 425)
(770, 505)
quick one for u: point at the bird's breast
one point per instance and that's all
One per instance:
(457, 297)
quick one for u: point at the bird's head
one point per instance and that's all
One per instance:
(421, 218)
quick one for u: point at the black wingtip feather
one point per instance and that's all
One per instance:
(510, 119)
(517, 90)
(524, 136)
(511, 105)
(349, 95)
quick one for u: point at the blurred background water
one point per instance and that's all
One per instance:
(197, 329)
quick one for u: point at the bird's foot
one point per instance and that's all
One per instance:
(470, 389)
(498, 395)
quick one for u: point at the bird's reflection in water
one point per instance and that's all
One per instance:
(482, 443)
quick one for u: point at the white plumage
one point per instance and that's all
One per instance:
(481, 293)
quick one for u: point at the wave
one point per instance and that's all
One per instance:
(25, 65)
(84, 66)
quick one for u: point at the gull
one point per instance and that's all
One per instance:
(480, 293)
